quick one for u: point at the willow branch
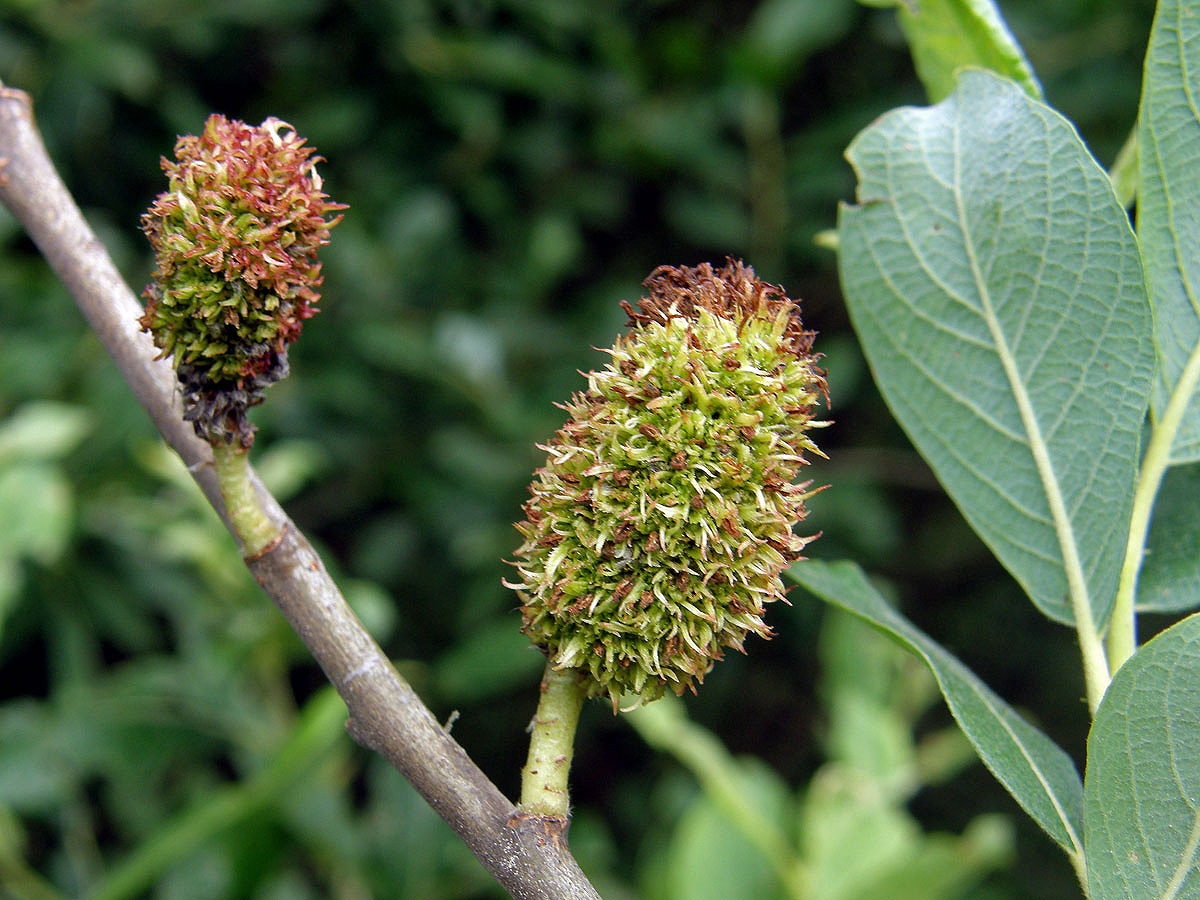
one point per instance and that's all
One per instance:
(527, 855)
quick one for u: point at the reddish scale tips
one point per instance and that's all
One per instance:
(235, 239)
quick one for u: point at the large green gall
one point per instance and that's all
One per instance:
(657, 530)
(235, 239)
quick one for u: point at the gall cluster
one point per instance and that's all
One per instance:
(656, 532)
(235, 238)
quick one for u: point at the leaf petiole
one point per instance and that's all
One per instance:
(1122, 633)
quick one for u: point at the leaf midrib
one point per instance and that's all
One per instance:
(1072, 565)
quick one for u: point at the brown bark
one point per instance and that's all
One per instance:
(526, 855)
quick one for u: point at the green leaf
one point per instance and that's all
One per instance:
(312, 739)
(995, 285)
(1142, 800)
(27, 740)
(1170, 579)
(867, 689)
(781, 34)
(945, 867)
(1168, 216)
(42, 430)
(37, 506)
(751, 803)
(946, 35)
(709, 857)
(857, 839)
(289, 465)
(487, 662)
(851, 835)
(859, 844)
(1035, 770)
(11, 579)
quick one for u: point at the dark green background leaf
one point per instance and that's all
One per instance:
(994, 282)
(945, 35)
(710, 859)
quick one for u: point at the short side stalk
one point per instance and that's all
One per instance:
(551, 745)
(250, 523)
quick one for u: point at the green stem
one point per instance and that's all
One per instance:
(551, 745)
(664, 725)
(250, 523)
(318, 730)
(1122, 632)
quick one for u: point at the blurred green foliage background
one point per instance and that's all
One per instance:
(514, 168)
